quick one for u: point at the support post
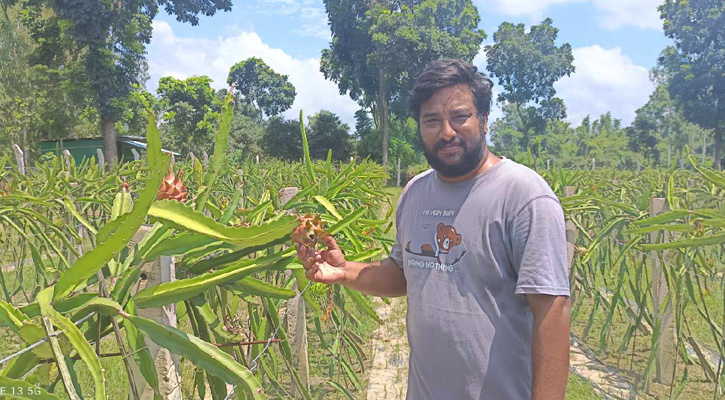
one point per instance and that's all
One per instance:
(66, 155)
(666, 352)
(159, 271)
(19, 159)
(571, 236)
(136, 156)
(704, 146)
(398, 172)
(594, 164)
(296, 324)
(257, 159)
(548, 165)
(101, 159)
(206, 159)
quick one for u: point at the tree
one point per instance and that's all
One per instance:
(696, 64)
(527, 65)
(247, 130)
(660, 126)
(327, 132)
(269, 91)
(190, 110)
(112, 37)
(283, 139)
(380, 47)
(34, 103)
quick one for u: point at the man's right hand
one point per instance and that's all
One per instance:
(327, 266)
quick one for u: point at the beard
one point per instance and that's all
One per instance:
(457, 165)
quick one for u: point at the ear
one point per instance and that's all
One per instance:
(441, 225)
(458, 239)
(484, 122)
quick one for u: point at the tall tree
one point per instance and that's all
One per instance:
(379, 48)
(527, 64)
(696, 64)
(112, 37)
(327, 132)
(190, 109)
(283, 139)
(269, 91)
(34, 102)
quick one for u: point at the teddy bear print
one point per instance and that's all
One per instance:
(444, 241)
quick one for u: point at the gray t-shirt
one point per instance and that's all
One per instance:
(470, 251)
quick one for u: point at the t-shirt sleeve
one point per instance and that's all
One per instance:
(538, 242)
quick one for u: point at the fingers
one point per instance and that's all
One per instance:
(330, 242)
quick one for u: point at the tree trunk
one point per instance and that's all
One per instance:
(109, 142)
(384, 120)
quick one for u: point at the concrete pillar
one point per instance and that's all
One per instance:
(19, 159)
(296, 324)
(101, 159)
(664, 316)
(167, 364)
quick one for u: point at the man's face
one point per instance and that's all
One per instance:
(452, 133)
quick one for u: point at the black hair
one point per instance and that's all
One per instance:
(447, 72)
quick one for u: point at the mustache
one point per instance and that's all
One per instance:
(455, 141)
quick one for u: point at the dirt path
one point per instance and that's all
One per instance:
(389, 372)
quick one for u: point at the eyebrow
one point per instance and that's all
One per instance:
(430, 114)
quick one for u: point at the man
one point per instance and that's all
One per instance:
(480, 251)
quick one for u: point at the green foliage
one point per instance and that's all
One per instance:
(327, 132)
(269, 91)
(190, 109)
(283, 139)
(660, 131)
(696, 64)
(379, 48)
(36, 103)
(527, 64)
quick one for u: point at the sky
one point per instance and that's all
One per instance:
(614, 42)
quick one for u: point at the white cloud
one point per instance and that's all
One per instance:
(638, 13)
(278, 7)
(612, 15)
(605, 80)
(314, 23)
(527, 8)
(181, 57)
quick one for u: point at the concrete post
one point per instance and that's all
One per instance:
(167, 364)
(19, 158)
(136, 156)
(398, 172)
(66, 155)
(101, 159)
(257, 158)
(571, 235)
(667, 352)
(296, 325)
(206, 159)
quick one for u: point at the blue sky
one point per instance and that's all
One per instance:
(615, 43)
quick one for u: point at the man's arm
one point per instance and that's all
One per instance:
(382, 278)
(549, 345)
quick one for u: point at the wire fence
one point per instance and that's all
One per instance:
(43, 340)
